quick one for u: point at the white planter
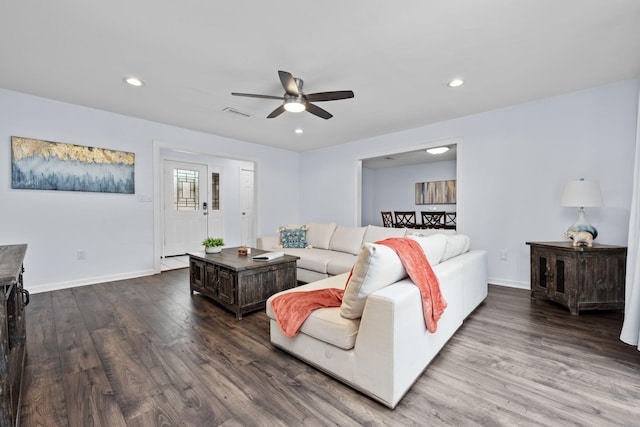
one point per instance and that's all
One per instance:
(212, 249)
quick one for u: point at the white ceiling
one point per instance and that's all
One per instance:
(396, 56)
(407, 158)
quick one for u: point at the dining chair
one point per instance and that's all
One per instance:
(405, 219)
(450, 220)
(432, 219)
(387, 219)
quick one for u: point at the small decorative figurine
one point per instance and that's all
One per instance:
(580, 238)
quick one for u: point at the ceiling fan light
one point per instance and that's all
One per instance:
(133, 81)
(294, 106)
(437, 150)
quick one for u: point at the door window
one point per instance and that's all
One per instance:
(215, 191)
(185, 190)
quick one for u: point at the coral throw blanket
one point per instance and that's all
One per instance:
(292, 308)
(419, 270)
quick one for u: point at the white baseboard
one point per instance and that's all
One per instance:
(88, 281)
(95, 280)
(509, 283)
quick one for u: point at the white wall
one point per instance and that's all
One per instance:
(369, 190)
(394, 189)
(512, 167)
(115, 230)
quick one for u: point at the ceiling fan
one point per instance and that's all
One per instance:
(295, 100)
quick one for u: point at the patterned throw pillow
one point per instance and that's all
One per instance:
(293, 237)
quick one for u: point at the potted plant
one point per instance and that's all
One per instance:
(213, 245)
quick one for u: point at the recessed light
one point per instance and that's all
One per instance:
(455, 83)
(133, 81)
(437, 150)
(299, 130)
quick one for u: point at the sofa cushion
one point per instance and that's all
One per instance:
(268, 243)
(456, 244)
(293, 237)
(311, 258)
(326, 324)
(340, 262)
(377, 266)
(347, 239)
(433, 246)
(429, 231)
(309, 276)
(319, 235)
(375, 233)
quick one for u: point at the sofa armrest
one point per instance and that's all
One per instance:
(385, 315)
(267, 243)
(392, 327)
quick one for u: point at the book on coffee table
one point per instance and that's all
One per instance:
(268, 256)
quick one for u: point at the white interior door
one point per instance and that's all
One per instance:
(186, 206)
(247, 207)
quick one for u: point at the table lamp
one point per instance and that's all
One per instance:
(581, 194)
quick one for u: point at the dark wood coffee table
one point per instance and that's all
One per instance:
(238, 283)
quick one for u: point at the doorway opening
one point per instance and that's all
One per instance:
(199, 195)
(386, 181)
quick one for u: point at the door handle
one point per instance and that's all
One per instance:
(25, 297)
(204, 209)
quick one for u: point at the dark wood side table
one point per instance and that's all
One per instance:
(13, 332)
(579, 278)
(238, 283)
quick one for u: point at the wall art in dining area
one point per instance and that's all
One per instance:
(436, 192)
(46, 165)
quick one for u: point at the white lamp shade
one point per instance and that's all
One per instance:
(582, 194)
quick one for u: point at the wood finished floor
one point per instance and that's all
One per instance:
(144, 352)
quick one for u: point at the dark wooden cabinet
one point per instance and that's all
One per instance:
(13, 336)
(579, 278)
(227, 286)
(237, 282)
(197, 274)
(210, 279)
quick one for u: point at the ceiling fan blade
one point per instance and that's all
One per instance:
(315, 110)
(288, 83)
(276, 112)
(329, 96)
(252, 95)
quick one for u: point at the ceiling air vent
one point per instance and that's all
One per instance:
(236, 112)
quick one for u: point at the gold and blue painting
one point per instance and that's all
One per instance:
(436, 192)
(46, 165)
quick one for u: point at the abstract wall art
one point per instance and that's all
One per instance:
(45, 165)
(436, 192)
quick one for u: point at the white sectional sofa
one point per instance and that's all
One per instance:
(385, 347)
(333, 249)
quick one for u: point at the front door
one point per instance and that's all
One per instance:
(186, 207)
